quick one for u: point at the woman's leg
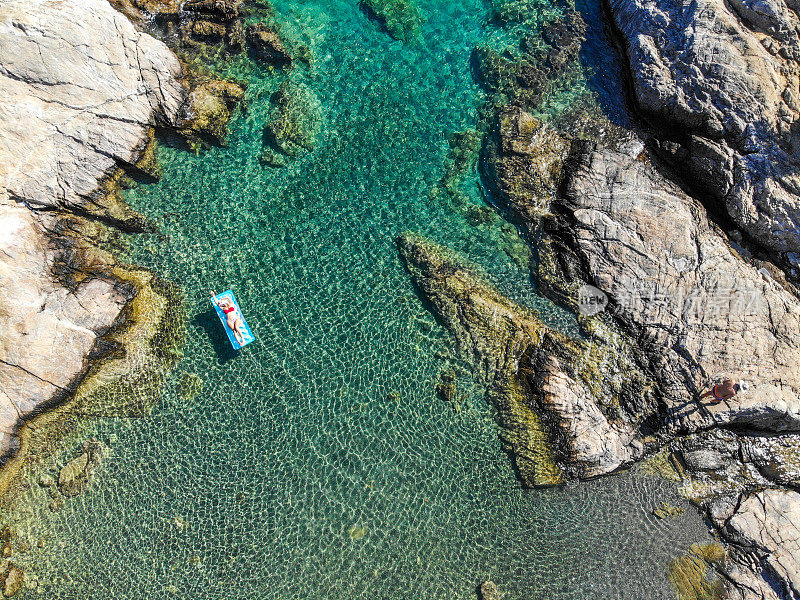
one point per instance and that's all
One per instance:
(240, 330)
(233, 325)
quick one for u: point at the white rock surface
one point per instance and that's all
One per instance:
(80, 87)
(703, 312)
(595, 445)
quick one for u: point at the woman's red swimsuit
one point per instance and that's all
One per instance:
(233, 308)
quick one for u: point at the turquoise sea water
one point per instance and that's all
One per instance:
(319, 463)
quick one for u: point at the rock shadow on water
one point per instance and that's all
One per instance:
(601, 58)
(208, 321)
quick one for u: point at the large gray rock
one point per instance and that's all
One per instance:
(699, 310)
(719, 81)
(776, 457)
(768, 523)
(594, 444)
(81, 88)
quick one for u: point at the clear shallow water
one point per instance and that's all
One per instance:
(319, 463)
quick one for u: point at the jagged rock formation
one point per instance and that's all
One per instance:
(698, 310)
(212, 25)
(540, 381)
(767, 523)
(718, 81)
(192, 22)
(696, 307)
(76, 106)
(674, 283)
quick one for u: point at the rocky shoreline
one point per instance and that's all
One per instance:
(82, 334)
(684, 234)
(66, 133)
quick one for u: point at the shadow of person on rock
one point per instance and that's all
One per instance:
(208, 321)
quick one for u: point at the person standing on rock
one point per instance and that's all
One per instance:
(724, 391)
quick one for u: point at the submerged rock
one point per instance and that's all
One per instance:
(267, 45)
(492, 333)
(357, 532)
(524, 74)
(665, 511)
(489, 591)
(76, 475)
(46, 480)
(295, 124)
(209, 108)
(189, 385)
(11, 578)
(402, 18)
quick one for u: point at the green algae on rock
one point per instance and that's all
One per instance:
(125, 379)
(189, 385)
(402, 18)
(77, 474)
(295, 124)
(663, 464)
(559, 400)
(494, 335)
(664, 511)
(694, 576)
(209, 108)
